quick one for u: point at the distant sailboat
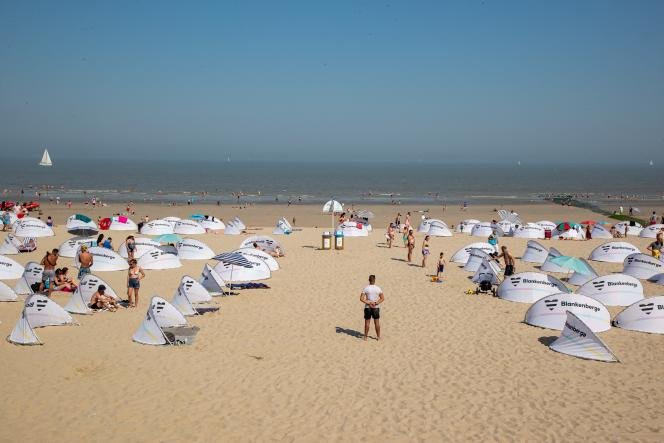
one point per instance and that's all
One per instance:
(46, 159)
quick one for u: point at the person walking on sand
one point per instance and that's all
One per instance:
(85, 260)
(372, 296)
(509, 261)
(655, 247)
(441, 265)
(134, 276)
(410, 243)
(130, 243)
(390, 235)
(425, 250)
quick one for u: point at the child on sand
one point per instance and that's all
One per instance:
(441, 265)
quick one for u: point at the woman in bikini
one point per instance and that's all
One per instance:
(134, 276)
(411, 245)
(425, 250)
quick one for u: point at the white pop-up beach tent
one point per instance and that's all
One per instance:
(438, 228)
(160, 314)
(475, 258)
(70, 247)
(213, 224)
(461, 256)
(157, 227)
(122, 223)
(234, 267)
(651, 231)
(213, 282)
(172, 220)
(531, 230)
(232, 228)
(599, 231)
(283, 227)
(466, 226)
(32, 273)
(485, 229)
(81, 225)
(142, 245)
(547, 224)
(578, 340)
(569, 234)
(239, 223)
(157, 259)
(23, 334)
(642, 266)
(424, 225)
(549, 266)
(261, 255)
(188, 227)
(32, 228)
(578, 279)
(489, 270)
(528, 287)
(551, 312)
(613, 289)
(507, 227)
(189, 305)
(7, 293)
(645, 315)
(353, 229)
(12, 219)
(12, 245)
(190, 249)
(613, 252)
(633, 228)
(535, 252)
(195, 291)
(79, 302)
(264, 242)
(42, 311)
(104, 260)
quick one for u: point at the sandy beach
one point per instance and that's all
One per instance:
(289, 364)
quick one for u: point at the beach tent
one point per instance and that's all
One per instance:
(212, 224)
(633, 228)
(264, 242)
(190, 249)
(32, 273)
(466, 226)
(485, 229)
(646, 315)
(580, 278)
(161, 314)
(578, 340)
(42, 311)
(81, 226)
(23, 334)
(283, 227)
(658, 279)
(547, 224)
(232, 228)
(70, 247)
(551, 312)
(489, 270)
(187, 306)
(7, 293)
(528, 287)
(13, 245)
(195, 291)
(32, 228)
(172, 219)
(642, 266)
(239, 223)
(531, 230)
(573, 233)
(613, 252)
(535, 252)
(424, 225)
(261, 255)
(549, 266)
(475, 258)
(651, 231)
(461, 256)
(157, 259)
(104, 260)
(507, 227)
(12, 218)
(512, 217)
(613, 289)
(122, 223)
(353, 229)
(9, 269)
(142, 245)
(79, 302)
(438, 228)
(212, 281)
(234, 267)
(157, 227)
(599, 231)
(188, 227)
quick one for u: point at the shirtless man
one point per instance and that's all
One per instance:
(372, 296)
(509, 261)
(100, 300)
(410, 243)
(49, 262)
(85, 259)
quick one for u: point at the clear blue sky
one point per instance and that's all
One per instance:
(395, 80)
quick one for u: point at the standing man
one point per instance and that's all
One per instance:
(372, 296)
(509, 261)
(85, 260)
(49, 262)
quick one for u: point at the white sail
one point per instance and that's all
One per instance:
(46, 159)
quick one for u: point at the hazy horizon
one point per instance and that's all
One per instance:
(456, 83)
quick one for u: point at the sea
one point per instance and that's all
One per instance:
(277, 182)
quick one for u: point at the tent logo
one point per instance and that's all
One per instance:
(41, 303)
(606, 248)
(599, 285)
(647, 308)
(551, 304)
(515, 280)
(573, 329)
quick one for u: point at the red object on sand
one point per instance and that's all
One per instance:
(588, 222)
(31, 206)
(104, 223)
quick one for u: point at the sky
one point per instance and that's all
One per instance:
(400, 81)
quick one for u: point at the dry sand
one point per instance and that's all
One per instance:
(288, 364)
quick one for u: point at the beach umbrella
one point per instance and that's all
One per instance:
(236, 267)
(588, 222)
(198, 217)
(573, 264)
(332, 207)
(167, 238)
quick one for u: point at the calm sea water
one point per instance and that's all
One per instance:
(378, 183)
